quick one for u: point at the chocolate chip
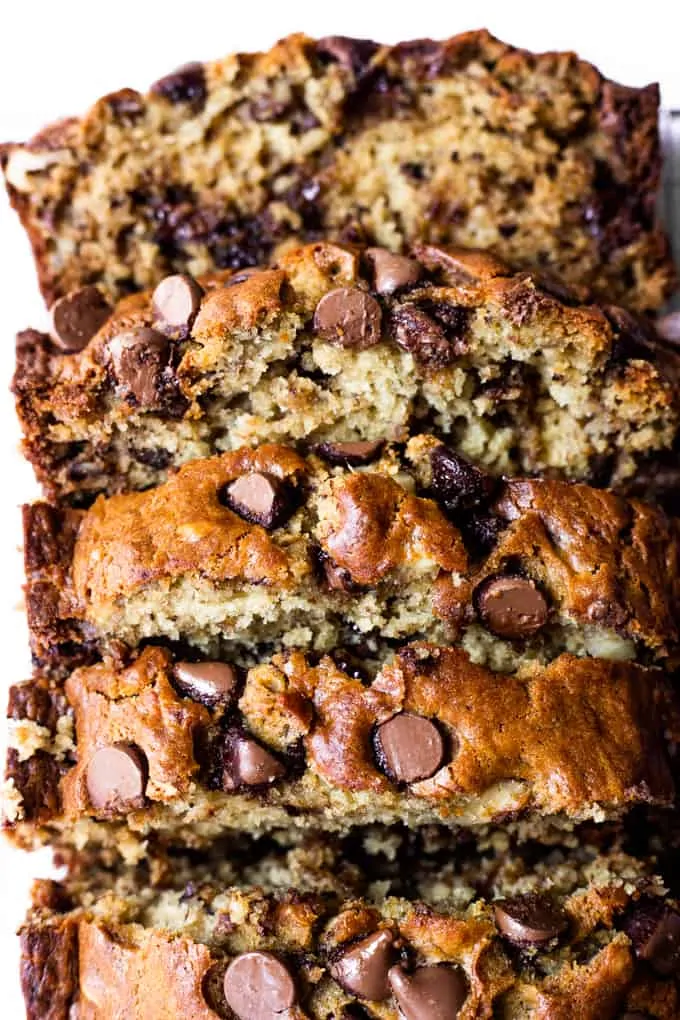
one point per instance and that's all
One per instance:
(185, 85)
(456, 483)
(337, 578)
(260, 498)
(421, 336)
(116, 777)
(435, 992)
(668, 327)
(247, 763)
(530, 920)
(353, 54)
(654, 930)
(242, 276)
(138, 359)
(257, 986)
(76, 318)
(390, 271)
(410, 747)
(348, 317)
(210, 683)
(350, 454)
(362, 969)
(511, 607)
(175, 303)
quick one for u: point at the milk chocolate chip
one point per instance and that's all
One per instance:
(76, 318)
(116, 777)
(246, 763)
(350, 454)
(138, 359)
(654, 930)
(419, 334)
(175, 303)
(257, 986)
(511, 607)
(530, 920)
(410, 746)
(436, 992)
(260, 498)
(210, 683)
(390, 271)
(348, 317)
(362, 969)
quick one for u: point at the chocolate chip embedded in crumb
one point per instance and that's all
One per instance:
(350, 454)
(390, 271)
(353, 54)
(362, 969)
(175, 303)
(530, 920)
(654, 930)
(410, 747)
(185, 85)
(456, 483)
(511, 607)
(260, 498)
(138, 359)
(414, 331)
(116, 777)
(210, 683)
(258, 986)
(436, 992)
(76, 318)
(247, 763)
(348, 317)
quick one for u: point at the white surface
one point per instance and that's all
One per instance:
(56, 58)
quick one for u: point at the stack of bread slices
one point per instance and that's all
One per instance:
(354, 597)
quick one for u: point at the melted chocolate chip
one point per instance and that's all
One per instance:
(210, 683)
(362, 969)
(654, 930)
(410, 747)
(247, 763)
(116, 777)
(138, 360)
(456, 483)
(511, 607)
(258, 986)
(175, 302)
(530, 920)
(185, 85)
(353, 54)
(260, 498)
(419, 334)
(348, 317)
(390, 271)
(350, 454)
(435, 992)
(76, 318)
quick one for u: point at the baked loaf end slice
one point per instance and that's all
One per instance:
(469, 140)
(264, 548)
(303, 935)
(342, 344)
(185, 750)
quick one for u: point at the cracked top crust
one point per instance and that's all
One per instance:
(221, 163)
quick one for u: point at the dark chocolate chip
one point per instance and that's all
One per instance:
(350, 454)
(410, 747)
(390, 271)
(353, 54)
(139, 358)
(76, 318)
(260, 498)
(210, 683)
(530, 920)
(362, 969)
(116, 777)
(456, 483)
(247, 763)
(511, 607)
(654, 930)
(185, 85)
(242, 276)
(175, 303)
(435, 992)
(348, 317)
(419, 334)
(337, 578)
(258, 986)
(668, 327)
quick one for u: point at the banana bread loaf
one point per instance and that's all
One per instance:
(340, 344)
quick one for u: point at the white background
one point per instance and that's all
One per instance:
(56, 58)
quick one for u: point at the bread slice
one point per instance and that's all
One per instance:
(347, 344)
